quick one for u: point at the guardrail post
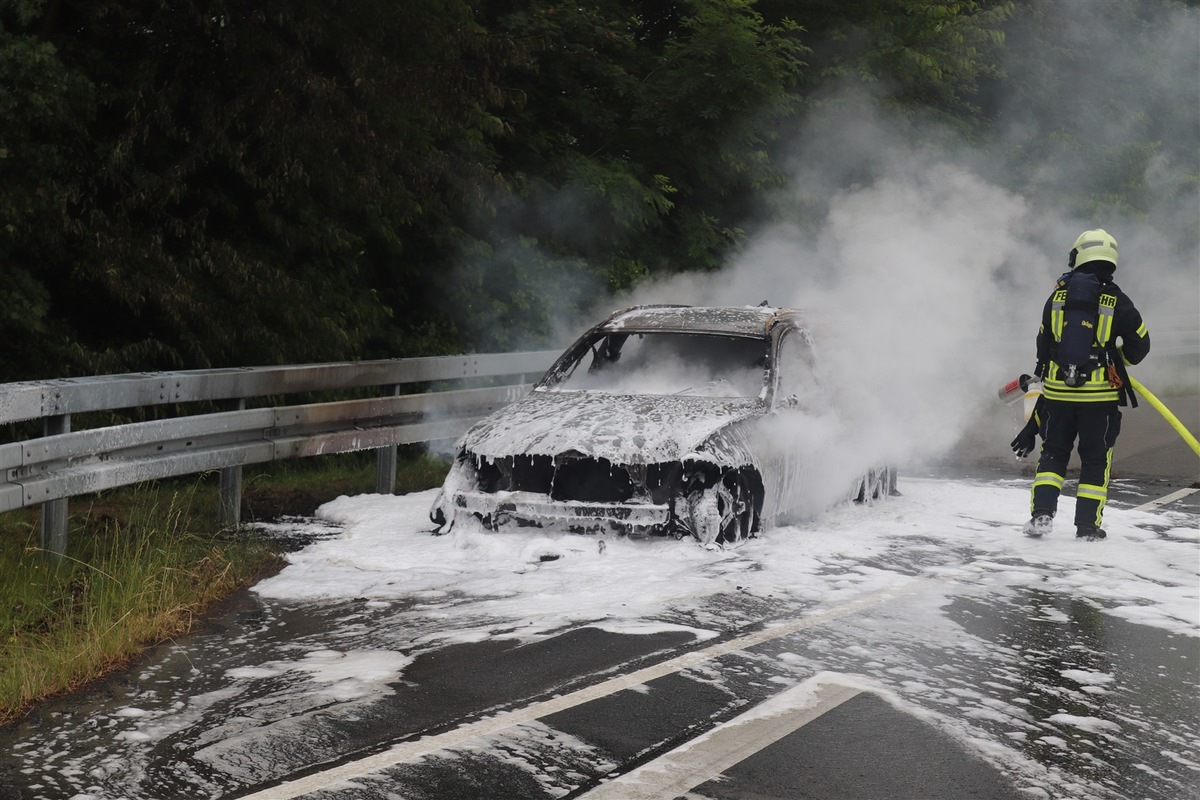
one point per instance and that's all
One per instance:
(54, 512)
(229, 511)
(385, 457)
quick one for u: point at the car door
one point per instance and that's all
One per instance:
(793, 431)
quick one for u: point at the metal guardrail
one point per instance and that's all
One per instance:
(46, 471)
(61, 464)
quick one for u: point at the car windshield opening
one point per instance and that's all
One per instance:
(670, 363)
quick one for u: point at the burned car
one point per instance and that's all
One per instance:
(659, 420)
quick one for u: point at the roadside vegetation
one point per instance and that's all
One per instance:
(194, 184)
(145, 564)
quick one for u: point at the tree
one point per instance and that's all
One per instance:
(1103, 98)
(923, 54)
(44, 112)
(640, 143)
(192, 184)
(238, 185)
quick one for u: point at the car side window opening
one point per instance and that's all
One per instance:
(797, 364)
(607, 351)
(661, 363)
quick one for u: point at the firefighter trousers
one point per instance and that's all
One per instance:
(1097, 426)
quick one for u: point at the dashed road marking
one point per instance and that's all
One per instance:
(1167, 499)
(704, 758)
(411, 751)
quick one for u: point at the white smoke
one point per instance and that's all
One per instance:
(926, 277)
(908, 284)
(925, 258)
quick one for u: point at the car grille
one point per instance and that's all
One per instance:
(591, 480)
(577, 477)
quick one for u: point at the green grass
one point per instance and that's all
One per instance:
(125, 583)
(144, 563)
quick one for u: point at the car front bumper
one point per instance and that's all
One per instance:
(541, 508)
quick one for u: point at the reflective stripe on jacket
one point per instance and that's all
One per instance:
(1125, 336)
(1096, 389)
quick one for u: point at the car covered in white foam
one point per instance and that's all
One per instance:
(668, 420)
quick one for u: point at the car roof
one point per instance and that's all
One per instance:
(728, 320)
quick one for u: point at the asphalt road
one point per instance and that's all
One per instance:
(609, 716)
(857, 746)
(1147, 449)
(1149, 446)
(649, 727)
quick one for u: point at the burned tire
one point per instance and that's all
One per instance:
(876, 485)
(724, 513)
(739, 524)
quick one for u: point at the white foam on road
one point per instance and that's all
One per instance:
(1146, 571)
(237, 722)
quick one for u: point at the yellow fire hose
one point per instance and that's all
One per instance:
(1167, 415)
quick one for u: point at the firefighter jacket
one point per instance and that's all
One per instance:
(1121, 336)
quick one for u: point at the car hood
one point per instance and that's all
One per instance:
(626, 429)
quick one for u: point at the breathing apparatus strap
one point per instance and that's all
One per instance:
(1115, 371)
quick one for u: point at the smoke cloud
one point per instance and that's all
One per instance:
(925, 261)
(924, 257)
(910, 290)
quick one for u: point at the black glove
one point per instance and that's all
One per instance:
(1026, 440)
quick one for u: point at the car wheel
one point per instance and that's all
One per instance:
(723, 514)
(738, 524)
(876, 485)
(704, 509)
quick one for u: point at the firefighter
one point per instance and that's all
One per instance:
(1090, 331)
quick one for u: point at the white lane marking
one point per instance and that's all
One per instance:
(1164, 500)
(707, 756)
(408, 752)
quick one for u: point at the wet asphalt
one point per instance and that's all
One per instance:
(865, 748)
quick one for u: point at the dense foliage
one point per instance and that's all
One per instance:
(189, 184)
